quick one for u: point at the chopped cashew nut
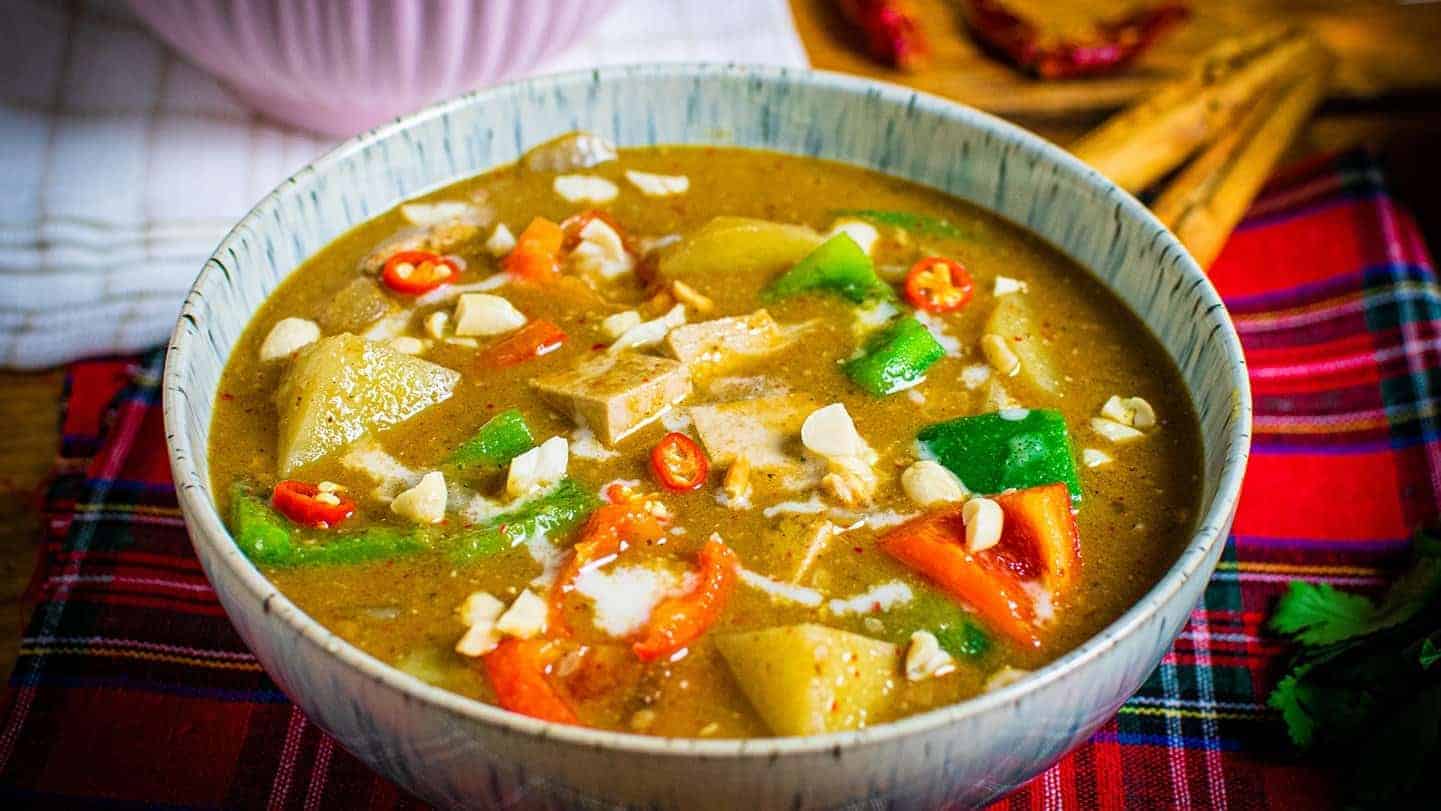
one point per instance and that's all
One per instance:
(328, 498)
(1094, 458)
(861, 232)
(1115, 431)
(601, 251)
(423, 503)
(829, 432)
(444, 212)
(525, 618)
(501, 241)
(330, 487)
(999, 354)
(484, 314)
(478, 613)
(1005, 286)
(925, 659)
(1129, 411)
(288, 336)
(984, 520)
(691, 297)
(652, 332)
(437, 323)
(1004, 677)
(658, 185)
(538, 468)
(928, 483)
(407, 345)
(618, 324)
(585, 188)
(737, 484)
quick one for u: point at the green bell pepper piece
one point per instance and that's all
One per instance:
(896, 357)
(267, 537)
(932, 611)
(1013, 448)
(837, 266)
(905, 220)
(501, 439)
(560, 510)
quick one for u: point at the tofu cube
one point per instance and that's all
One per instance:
(715, 346)
(762, 430)
(617, 393)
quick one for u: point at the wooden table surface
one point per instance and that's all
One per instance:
(1383, 108)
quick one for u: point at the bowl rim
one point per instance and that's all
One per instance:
(205, 525)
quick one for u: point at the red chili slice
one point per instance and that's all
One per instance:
(301, 502)
(416, 272)
(678, 463)
(939, 285)
(531, 341)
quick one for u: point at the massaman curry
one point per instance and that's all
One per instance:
(703, 442)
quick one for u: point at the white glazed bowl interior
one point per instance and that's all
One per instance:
(454, 751)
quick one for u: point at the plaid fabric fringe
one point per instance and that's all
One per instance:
(132, 689)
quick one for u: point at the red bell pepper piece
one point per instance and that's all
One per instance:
(679, 621)
(934, 544)
(1040, 518)
(610, 526)
(537, 251)
(302, 503)
(538, 338)
(517, 672)
(893, 36)
(1024, 43)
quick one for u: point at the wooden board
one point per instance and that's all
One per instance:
(1385, 48)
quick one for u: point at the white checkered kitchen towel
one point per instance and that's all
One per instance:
(124, 165)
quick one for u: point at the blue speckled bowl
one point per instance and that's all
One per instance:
(458, 752)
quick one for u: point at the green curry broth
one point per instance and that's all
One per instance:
(1135, 516)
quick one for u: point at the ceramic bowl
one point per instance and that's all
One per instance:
(457, 752)
(339, 66)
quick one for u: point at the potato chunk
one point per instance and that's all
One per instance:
(344, 387)
(738, 245)
(618, 393)
(809, 679)
(1013, 321)
(722, 344)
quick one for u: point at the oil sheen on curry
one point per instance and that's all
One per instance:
(703, 442)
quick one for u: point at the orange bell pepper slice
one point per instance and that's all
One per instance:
(536, 339)
(517, 672)
(934, 544)
(604, 532)
(679, 621)
(536, 255)
(1040, 518)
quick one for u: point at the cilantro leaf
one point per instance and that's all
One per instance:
(1430, 654)
(1321, 615)
(1288, 699)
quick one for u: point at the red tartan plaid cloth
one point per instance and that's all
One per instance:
(133, 689)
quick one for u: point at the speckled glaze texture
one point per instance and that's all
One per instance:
(456, 752)
(339, 66)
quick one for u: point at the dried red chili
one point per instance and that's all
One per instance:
(893, 35)
(1112, 44)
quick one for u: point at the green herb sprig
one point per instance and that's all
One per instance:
(1363, 690)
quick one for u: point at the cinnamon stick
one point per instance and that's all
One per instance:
(1204, 203)
(1140, 145)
